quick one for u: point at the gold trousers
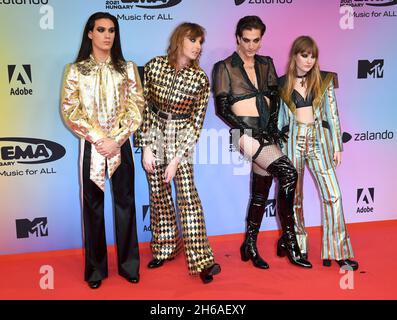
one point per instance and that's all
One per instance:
(307, 149)
(166, 242)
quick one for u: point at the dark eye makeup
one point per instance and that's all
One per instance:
(246, 40)
(306, 55)
(102, 29)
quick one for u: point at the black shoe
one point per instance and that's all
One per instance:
(249, 251)
(283, 169)
(260, 186)
(133, 279)
(157, 263)
(326, 263)
(290, 249)
(94, 284)
(350, 264)
(305, 256)
(207, 274)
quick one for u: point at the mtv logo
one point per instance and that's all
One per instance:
(37, 227)
(366, 195)
(23, 73)
(373, 69)
(270, 208)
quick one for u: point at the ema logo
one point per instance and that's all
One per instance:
(239, 2)
(150, 4)
(145, 210)
(20, 75)
(384, 3)
(373, 69)
(270, 208)
(30, 150)
(142, 4)
(365, 199)
(166, 3)
(360, 3)
(37, 227)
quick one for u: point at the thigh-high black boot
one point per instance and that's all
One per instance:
(283, 169)
(259, 193)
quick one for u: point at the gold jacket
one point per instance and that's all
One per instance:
(98, 102)
(174, 92)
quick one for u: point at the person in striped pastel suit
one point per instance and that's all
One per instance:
(309, 115)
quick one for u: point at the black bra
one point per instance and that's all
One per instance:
(301, 102)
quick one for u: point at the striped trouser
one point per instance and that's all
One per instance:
(307, 149)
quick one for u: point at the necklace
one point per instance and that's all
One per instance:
(302, 83)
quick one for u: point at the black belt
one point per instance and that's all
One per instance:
(252, 122)
(169, 116)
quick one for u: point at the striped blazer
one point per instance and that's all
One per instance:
(327, 124)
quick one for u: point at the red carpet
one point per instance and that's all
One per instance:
(374, 244)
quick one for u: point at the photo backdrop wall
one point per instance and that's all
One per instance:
(39, 176)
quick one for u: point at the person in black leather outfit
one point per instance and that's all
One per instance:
(247, 100)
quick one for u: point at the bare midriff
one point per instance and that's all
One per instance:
(305, 114)
(247, 107)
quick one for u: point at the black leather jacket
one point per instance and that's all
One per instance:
(231, 84)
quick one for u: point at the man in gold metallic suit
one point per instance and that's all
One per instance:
(102, 100)
(176, 91)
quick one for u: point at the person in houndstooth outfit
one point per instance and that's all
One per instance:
(176, 91)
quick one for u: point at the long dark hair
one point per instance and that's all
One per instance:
(86, 43)
(249, 23)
